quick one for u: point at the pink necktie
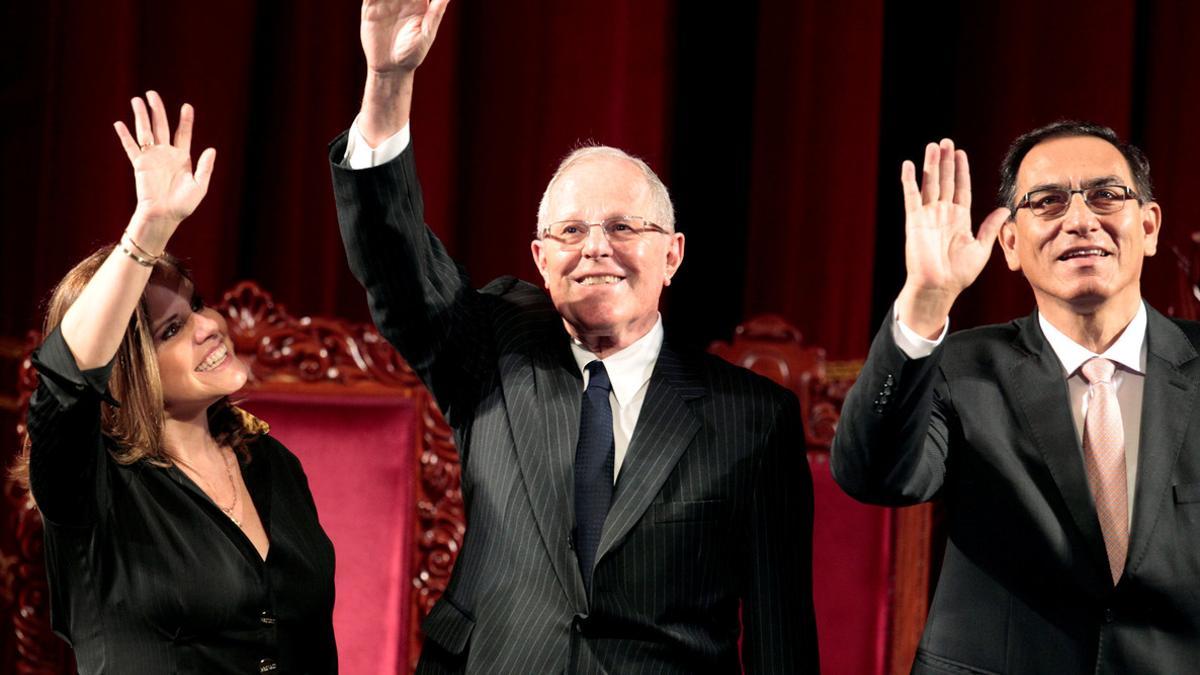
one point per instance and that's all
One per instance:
(1104, 458)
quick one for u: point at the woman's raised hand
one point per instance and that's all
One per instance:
(168, 190)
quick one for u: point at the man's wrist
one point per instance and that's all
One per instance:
(924, 311)
(387, 100)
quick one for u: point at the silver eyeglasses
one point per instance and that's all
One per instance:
(1053, 202)
(618, 230)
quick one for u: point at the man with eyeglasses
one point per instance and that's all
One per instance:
(630, 508)
(1063, 444)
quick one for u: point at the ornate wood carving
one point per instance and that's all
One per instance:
(280, 349)
(768, 345)
(35, 650)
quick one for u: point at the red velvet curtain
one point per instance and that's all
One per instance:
(779, 125)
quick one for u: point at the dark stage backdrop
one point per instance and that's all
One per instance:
(780, 125)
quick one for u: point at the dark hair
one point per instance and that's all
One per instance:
(1139, 166)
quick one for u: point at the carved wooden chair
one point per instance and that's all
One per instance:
(380, 461)
(871, 565)
(337, 393)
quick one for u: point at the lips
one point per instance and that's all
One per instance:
(214, 359)
(1084, 252)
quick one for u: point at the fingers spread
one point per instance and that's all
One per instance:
(204, 168)
(962, 180)
(946, 169)
(990, 227)
(158, 118)
(929, 177)
(127, 142)
(183, 135)
(908, 182)
(433, 18)
(141, 122)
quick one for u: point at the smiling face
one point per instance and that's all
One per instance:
(605, 292)
(196, 360)
(1080, 261)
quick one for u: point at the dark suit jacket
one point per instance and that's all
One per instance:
(984, 423)
(713, 504)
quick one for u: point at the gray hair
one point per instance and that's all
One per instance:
(661, 198)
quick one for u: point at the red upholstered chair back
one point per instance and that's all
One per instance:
(380, 462)
(870, 564)
(385, 476)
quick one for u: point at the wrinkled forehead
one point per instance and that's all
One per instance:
(597, 187)
(1072, 162)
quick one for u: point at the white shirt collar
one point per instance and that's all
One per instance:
(629, 368)
(1128, 351)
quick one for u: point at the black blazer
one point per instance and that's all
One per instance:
(713, 506)
(984, 423)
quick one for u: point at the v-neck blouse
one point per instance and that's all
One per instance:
(147, 574)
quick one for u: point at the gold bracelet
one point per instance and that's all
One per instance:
(144, 262)
(144, 252)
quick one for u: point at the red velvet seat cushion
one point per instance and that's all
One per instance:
(358, 453)
(852, 550)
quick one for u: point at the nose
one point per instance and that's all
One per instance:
(206, 325)
(596, 245)
(1079, 218)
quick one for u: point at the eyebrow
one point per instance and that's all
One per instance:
(1089, 183)
(191, 296)
(157, 328)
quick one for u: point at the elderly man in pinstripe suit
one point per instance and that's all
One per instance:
(631, 509)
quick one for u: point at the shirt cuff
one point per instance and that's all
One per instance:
(359, 155)
(55, 363)
(913, 345)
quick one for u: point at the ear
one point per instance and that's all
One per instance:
(1151, 226)
(538, 249)
(1008, 243)
(674, 257)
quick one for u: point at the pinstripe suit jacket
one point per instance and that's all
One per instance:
(712, 509)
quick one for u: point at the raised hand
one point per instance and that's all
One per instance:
(941, 253)
(396, 34)
(168, 190)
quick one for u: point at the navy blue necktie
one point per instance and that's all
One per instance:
(593, 469)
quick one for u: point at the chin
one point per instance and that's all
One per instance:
(591, 315)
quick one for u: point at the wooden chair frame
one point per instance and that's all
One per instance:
(285, 354)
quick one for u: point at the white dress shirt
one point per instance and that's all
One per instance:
(629, 371)
(359, 155)
(1129, 379)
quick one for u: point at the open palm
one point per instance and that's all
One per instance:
(941, 252)
(168, 190)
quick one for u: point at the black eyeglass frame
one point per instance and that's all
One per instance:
(1127, 194)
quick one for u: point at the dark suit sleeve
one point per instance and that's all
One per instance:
(779, 623)
(420, 300)
(893, 437)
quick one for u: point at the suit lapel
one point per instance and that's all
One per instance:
(1041, 394)
(665, 428)
(542, 392)
(1168, 406)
